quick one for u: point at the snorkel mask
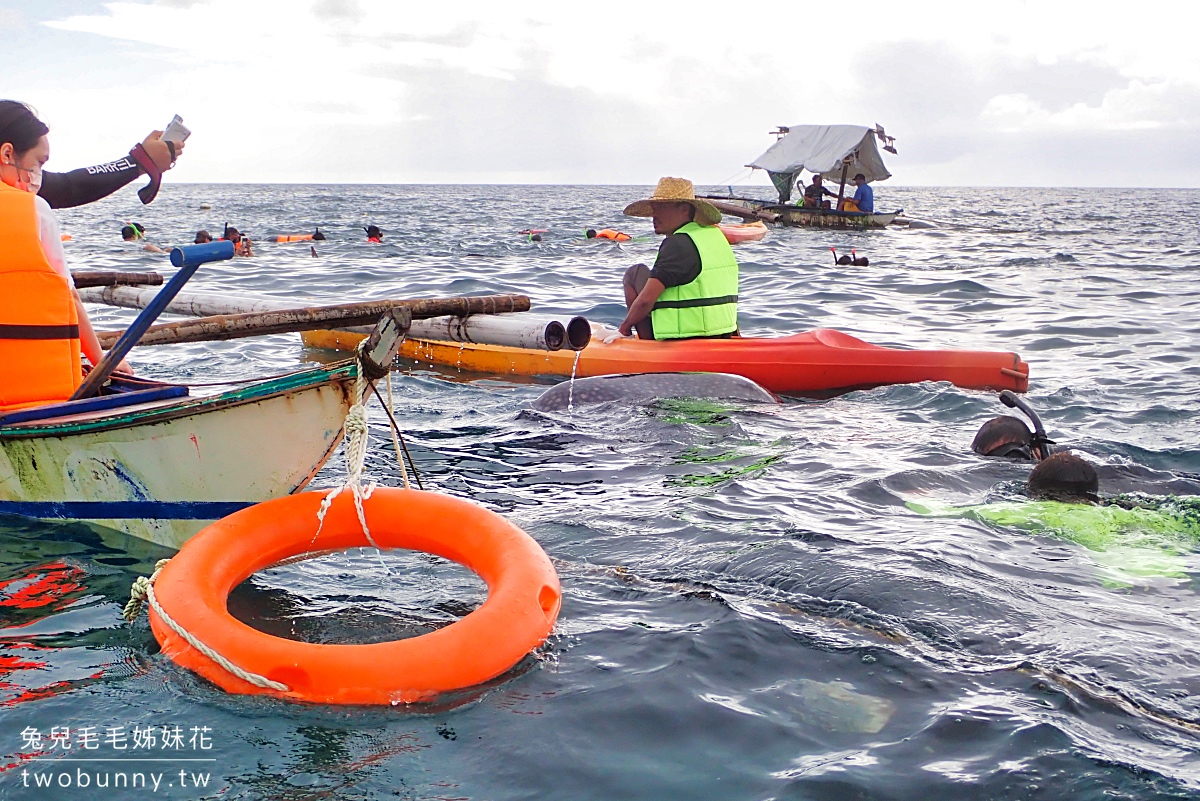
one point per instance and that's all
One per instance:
(1039, 444)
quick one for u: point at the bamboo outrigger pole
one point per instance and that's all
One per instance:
(237, 326)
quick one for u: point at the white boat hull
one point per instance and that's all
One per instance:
(248, 445)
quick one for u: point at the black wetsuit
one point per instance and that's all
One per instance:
(64, 190)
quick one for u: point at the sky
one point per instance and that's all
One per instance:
(977, 93)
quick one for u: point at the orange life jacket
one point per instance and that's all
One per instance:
(617, 236)
(39, 326)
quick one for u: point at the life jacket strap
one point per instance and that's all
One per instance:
(694, 302)
(39, 331)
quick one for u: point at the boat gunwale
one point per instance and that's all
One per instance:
(338, 373)
(864, 219)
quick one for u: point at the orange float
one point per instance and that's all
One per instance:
(745, 232)
(813, 362)
(294, 238)
(613, 234)
(523, 600)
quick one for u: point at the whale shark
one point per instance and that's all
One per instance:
(642, 387)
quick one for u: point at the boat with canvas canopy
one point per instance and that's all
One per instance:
(836, 153)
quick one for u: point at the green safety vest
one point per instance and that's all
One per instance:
(707, 306)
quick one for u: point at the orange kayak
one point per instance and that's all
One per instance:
(746, 232)
(818, 361)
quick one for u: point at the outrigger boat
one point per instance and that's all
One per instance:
(152, 461)
(835, 152)
(820, 362)
(145, 458)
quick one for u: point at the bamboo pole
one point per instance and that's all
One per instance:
(236, 326)
(746, 214)
(188, 304)
(842, 187)
(89, 278)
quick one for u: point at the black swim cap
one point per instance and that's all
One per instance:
(1003, 436)
(1064, 477)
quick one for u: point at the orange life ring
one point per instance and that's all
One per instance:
(522, 604)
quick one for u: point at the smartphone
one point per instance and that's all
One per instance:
(176, 131)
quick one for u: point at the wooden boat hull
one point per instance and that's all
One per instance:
(188, 457)
(800, 216)
(818, 362)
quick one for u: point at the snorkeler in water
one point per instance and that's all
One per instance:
(1009, 437)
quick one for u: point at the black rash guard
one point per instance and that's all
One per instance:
(64, 190)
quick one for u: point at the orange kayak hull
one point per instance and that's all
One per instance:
(746, 232)
(814, 362)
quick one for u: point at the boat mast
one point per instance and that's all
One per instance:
(842, 187)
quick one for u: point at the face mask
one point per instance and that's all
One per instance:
(35, 180)
(32, 184)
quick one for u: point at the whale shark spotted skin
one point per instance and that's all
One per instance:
(642, 387)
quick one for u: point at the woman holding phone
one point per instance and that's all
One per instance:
(155, 155)
(43, 324)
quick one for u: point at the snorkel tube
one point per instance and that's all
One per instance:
(1039, 442)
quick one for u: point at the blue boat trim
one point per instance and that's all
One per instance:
(123, 510)
(96, 404)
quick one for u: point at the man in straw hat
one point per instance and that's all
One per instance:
(692, 290)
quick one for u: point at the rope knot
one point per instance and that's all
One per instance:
(140, 591)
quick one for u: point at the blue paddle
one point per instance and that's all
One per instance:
(188, 259)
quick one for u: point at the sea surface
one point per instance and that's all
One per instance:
(750, 609)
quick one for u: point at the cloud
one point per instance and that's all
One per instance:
(542, 91)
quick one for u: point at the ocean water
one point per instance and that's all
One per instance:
(750, 609)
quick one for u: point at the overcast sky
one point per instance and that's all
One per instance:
(976, 93)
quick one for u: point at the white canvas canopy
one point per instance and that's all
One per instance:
(824, 149)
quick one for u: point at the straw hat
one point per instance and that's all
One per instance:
(675, 190)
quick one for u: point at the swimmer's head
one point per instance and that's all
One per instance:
(373, 232)
(590, 233)
(203, 237)
(1064, 477)
(1004, 436)
(318, 236)
(132, 231)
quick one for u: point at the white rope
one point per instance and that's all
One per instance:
(356, 458)
(396, 434)
(143, 591)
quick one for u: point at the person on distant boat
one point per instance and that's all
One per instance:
(43, 324)
(63, 190)
(692, 290)
(135, 232)
(607, 233)
(203, 237)
(864, 197)
(241, 244)
(815, 193)
(374, 235)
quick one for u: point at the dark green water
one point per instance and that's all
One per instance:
(750, 610)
